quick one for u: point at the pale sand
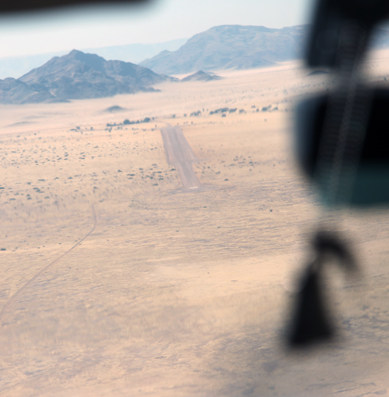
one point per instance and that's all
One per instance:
(174, 293)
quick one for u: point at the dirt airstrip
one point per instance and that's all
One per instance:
(180, 155)
(118, 278)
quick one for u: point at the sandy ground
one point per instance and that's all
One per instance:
(116, 281)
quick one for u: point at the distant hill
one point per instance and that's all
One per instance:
(78, 76)
(16, 66)
(114, 109)
(231, 47)
(15, 91)
(136, 53)
(201, 76)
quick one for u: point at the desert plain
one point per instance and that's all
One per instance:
(118, 279)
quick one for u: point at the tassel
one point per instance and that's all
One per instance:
(311, 321)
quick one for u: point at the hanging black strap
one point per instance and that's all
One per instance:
(311, 319)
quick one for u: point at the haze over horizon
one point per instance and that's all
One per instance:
(159, 21)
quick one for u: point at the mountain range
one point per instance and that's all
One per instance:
(231, 47)
(240, 47)
(16, 66)
(201, 76)
(78, 76)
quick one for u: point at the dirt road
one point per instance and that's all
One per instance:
(180, 155)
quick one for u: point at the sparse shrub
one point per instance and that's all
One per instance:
(221, 110)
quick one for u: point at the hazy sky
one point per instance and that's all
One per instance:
(160, 21)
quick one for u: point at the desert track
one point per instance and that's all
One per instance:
(12, 299)
(180, 155)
